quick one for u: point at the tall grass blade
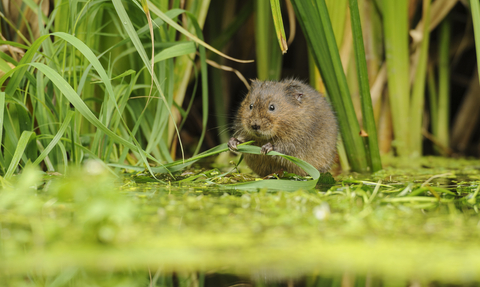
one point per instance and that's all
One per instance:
(179, 49)
(2, 113)
(433, 98)
(418, 93)
(55, 139)
(315, 22)
(475, 8)
(122, 14)
(337, 9)
(21, 146)
(365, 98)
(90, 56)
(442, 133)
(395, 23)
(14, 82)
(78, 103)
(268, 56)
(278, 23)
(182, 30)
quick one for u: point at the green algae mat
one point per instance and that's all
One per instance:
(416, 224)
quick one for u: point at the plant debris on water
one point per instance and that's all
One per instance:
(400, 223)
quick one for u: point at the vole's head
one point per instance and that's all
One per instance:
(271, 109)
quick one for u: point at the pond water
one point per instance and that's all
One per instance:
(407, 226)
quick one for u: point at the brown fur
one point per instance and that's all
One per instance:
(302, 124)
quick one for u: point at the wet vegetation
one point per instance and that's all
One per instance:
(114, 167)
(396, 226)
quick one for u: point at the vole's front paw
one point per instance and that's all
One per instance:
(232, 144)
(266, 148)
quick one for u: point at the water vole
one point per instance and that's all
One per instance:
(289, 117)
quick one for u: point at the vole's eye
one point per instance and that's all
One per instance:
(271, 107)
(251, 106)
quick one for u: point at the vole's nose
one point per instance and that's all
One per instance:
(255, 127)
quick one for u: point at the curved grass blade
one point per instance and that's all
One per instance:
(2, 110)
(122, 14)
(76, 101)
(57, 137)
(278, 22)
(180, 49)
(287, 185)
(90, 56)
(14, 82)
(180, 29)
(21, 146)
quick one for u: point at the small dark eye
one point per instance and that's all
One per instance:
(272, 107)
(251, 106)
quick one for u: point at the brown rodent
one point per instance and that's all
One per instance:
(289, 117)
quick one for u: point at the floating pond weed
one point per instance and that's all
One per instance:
(403, 227)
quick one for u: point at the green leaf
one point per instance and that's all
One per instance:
(57, 137)
(395, 23)
(367, 110)
(418, 92)
(315, 22)
(21, 146)
(181, 49)
(273, 184)
(278, 22)
(475, 8)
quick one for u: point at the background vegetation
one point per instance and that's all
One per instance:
(78, 81)
(89, 87)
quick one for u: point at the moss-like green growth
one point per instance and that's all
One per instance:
(397, 224)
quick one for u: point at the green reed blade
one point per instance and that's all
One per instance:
(14, 82)
(365, 98)
(77, 102)
(204, 72)
(433, 98)
(2, 111)
(442, 132)
(278, 23)
(128, 26)
(337, 9)
(268, 56)
(395, 23)
(56, 139)
(90, 56)
(183, 48)
(315, 22)
(418, 92)
(182, 30)
(286, 185)
(475, 8)
(19, 151)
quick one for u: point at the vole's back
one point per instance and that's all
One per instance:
(294, 118)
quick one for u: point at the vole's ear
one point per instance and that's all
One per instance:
(255, 83)
(299, 97)
(295, 91)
